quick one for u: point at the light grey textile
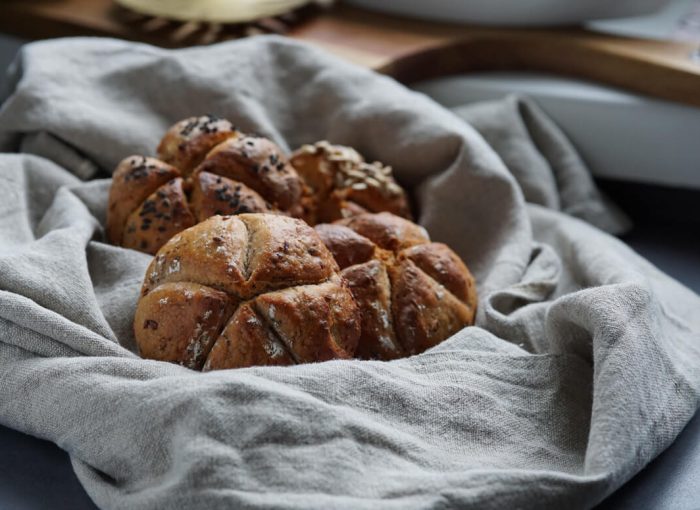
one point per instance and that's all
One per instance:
(545, 164)
(584, 365)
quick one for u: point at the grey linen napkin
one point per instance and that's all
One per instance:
(543, 161)
(582, 368)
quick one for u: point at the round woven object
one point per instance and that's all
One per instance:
(214, 11)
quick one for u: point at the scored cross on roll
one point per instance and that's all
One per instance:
(237, 291)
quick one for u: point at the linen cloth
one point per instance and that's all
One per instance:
(543, 161)
(583, 366)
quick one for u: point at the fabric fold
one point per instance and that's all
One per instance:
(546, 165)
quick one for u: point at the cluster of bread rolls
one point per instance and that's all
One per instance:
(264, 259)
(207, 167)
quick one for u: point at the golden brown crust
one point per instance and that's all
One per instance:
(247, 341)
(213, 253)
(244, 255)
(284, 278)
(162, 215)
(344, 184)
(316, 170)
(215, 195)
(316, 322)
(387, 230)
(187, 142)
(179, 322)
(426, 290)
(425, 313)
(334, 207)
(347, 246)
(282, 252)
(371, 288)
(134, 179)
(438, 261)
(259, 164)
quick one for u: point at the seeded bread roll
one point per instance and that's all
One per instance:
(343, 184)
(188, 142)
(216, 195)
(149, 202)
(238, 291)
(259, 164)
(162, 215)
(134, 179)
(413, 293)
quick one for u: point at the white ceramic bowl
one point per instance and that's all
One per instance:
(514, 12)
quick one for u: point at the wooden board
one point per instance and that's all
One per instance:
(412, 50)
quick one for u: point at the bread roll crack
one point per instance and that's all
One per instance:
(202, 313)
(425, 312)
(269, 318)
(247, 340)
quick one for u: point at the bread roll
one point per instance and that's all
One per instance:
(186, 143)
(216, 195)
(343, 184)
(149, 202)
(163, 214)
(134, 179)
(252, 289)
(259, 164)
(412, 293)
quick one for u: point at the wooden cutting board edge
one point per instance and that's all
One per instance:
(411, 50)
